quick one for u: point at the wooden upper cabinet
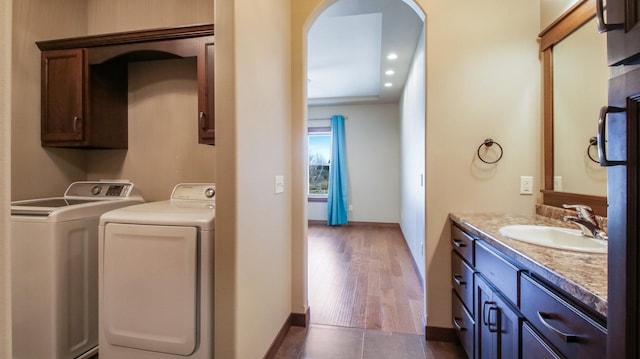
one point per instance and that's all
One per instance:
(623, 31)
(85, 90)
(82, 106)
(63, 93)
(206, 108)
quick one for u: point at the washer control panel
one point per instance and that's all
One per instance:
(99, 189)
(194, 192)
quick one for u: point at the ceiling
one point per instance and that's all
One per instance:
(348, 47)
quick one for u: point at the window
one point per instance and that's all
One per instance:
(319, 162)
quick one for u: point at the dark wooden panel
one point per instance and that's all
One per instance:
(500, 272)
(464, 325)
(173, 33)
(534, 347)
(569, 330)
(623, 39)
(463, 244)
(462, 280)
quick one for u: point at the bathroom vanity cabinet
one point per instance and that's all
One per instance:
(501, 310)
(84, 83)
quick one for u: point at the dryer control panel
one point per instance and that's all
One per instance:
(194, 192)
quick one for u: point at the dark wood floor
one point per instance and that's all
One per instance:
(363, 277)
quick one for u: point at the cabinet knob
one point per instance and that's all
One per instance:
(75, 123)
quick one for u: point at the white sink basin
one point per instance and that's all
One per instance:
(555, 237)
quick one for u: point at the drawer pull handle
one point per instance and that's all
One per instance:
(203, 125)
(568, 338)
(458, 243)
(458, 325)
(602, 146)
(456, 278)
(486, 319)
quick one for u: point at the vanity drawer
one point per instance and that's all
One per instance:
(462, 280)
(534, 347)
(463, 244)
(463, 324)
(500, 272)
(569, 330)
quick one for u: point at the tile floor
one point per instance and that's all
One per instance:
(329, 342)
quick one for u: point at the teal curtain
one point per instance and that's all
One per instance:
(337, 200)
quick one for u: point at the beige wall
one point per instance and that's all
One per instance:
(5, 177)
(163, 146)
(412, 127)
(551, 9)
(483, 80)
(373, 161)
(253, 225)
(35, 20)
(107, 16)
(163, 143)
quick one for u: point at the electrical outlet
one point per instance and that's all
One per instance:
(350, 207)
(526, 184)
(557, 183)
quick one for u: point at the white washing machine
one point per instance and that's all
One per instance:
(156, 277)
(54, 255)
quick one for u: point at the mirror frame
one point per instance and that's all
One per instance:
(567, 23)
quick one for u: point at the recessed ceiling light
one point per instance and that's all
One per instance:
(388, 84)
(389, 72)
(392, 56)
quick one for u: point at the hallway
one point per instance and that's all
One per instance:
(365, 297)
(363, 277)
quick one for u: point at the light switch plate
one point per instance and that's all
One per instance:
(279, 184)
(526, 184)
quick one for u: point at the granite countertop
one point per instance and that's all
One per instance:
(581, 275)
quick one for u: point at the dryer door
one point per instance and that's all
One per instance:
(151, 287)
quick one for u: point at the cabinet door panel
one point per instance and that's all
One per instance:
(63, 74)
(509, 335)
(206, 98)
(623, 215)
(623, 42)
(487, 319)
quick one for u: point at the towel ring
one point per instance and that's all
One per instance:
(488, 143)
(593, 142)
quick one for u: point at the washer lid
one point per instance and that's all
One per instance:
(44, 206)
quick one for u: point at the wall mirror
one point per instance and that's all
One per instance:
(575, 76)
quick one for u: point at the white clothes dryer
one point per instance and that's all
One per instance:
(156, 277)
(54, 269)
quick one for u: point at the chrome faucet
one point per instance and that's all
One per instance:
(585, 220)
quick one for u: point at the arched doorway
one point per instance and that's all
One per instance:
(390, 23)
